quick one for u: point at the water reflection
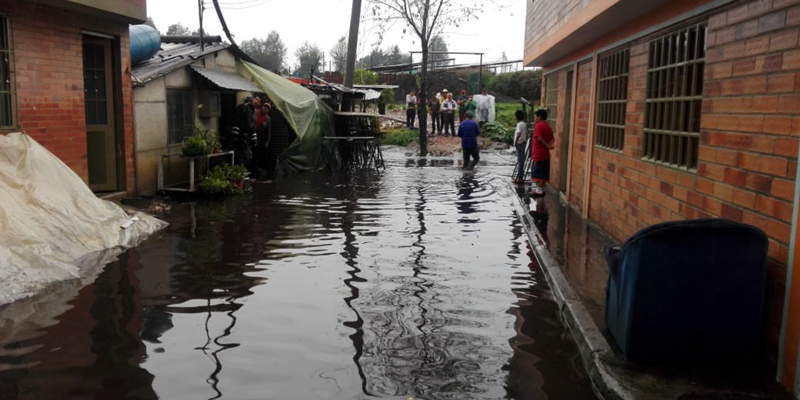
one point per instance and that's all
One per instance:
(337, 287)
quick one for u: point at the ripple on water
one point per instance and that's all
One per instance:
(411, 282)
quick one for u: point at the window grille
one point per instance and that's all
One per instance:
(8, 107)
(180, 116)
(551, 98)
(612, 99)
(674, 97)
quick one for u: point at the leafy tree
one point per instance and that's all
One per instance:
(178, 30)
(426, 19)
(196, 32)
(339, 54)
(151, 23)
(438, 59)
(395, 57)
(365, 77)
(308, 56)
(527, 84)
(269, 53)
(375, 58)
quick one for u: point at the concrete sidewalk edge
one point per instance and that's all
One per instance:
(593, 346)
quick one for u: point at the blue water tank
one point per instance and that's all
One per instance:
(145, 42)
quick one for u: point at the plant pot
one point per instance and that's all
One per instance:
(191, 151)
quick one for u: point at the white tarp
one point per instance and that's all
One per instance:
(477, 99)
(50, 222)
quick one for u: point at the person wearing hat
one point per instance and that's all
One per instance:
(462, 106)
(443, 96)
(411, 109)
(448, 115)
(468, 131)
(436, 118)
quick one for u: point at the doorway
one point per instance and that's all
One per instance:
(101, 129)
(566, 128)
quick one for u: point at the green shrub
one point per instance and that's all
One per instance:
(527, 84)
(497, 132)
(400, 137)
(223, 180)
(504, 114)
(387, 96)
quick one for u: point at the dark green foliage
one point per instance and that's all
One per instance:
(497, 132)
(400, 137)
(387, 95)
(504, 114)
(223, 180)
(527, 84)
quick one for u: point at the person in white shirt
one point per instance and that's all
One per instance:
(411, 109)
(448, 111)
(520, 140)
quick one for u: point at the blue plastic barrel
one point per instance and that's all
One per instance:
(145, 42)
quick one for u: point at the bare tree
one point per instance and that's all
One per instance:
(270, 53)
(339, 54)
(427, 19)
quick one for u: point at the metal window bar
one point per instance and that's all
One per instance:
(7, 88)
(612, 100)
(674, 95)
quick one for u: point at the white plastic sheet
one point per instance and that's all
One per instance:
(50, 221)
(492, 113)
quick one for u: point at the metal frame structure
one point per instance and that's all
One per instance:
(480, 71)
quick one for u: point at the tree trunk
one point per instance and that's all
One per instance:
(423, 103)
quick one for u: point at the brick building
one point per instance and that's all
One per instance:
(66, 74)
(667, 110)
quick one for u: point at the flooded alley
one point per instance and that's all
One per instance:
(413, 282)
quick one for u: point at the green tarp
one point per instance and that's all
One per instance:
(306, 113)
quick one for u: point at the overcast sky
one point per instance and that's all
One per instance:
(324, 21)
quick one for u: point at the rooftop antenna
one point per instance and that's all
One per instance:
(202, 42)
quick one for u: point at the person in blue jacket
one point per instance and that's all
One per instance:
(468, 131)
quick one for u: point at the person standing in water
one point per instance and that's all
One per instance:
(469, 131)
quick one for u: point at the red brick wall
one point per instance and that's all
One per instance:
(578, 144)
(749, 139)
(750, 135)
(48, 62)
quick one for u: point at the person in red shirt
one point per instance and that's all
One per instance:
(543, 142)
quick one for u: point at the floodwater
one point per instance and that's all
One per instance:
(415, 282)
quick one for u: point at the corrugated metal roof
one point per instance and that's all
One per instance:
(173, 56)
(376, 87)
(227, 80)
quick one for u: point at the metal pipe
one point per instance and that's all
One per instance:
(352, 44)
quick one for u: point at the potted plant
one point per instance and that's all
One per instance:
(224, 180)
(194, 145)
(237, 174)
(202, 141)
